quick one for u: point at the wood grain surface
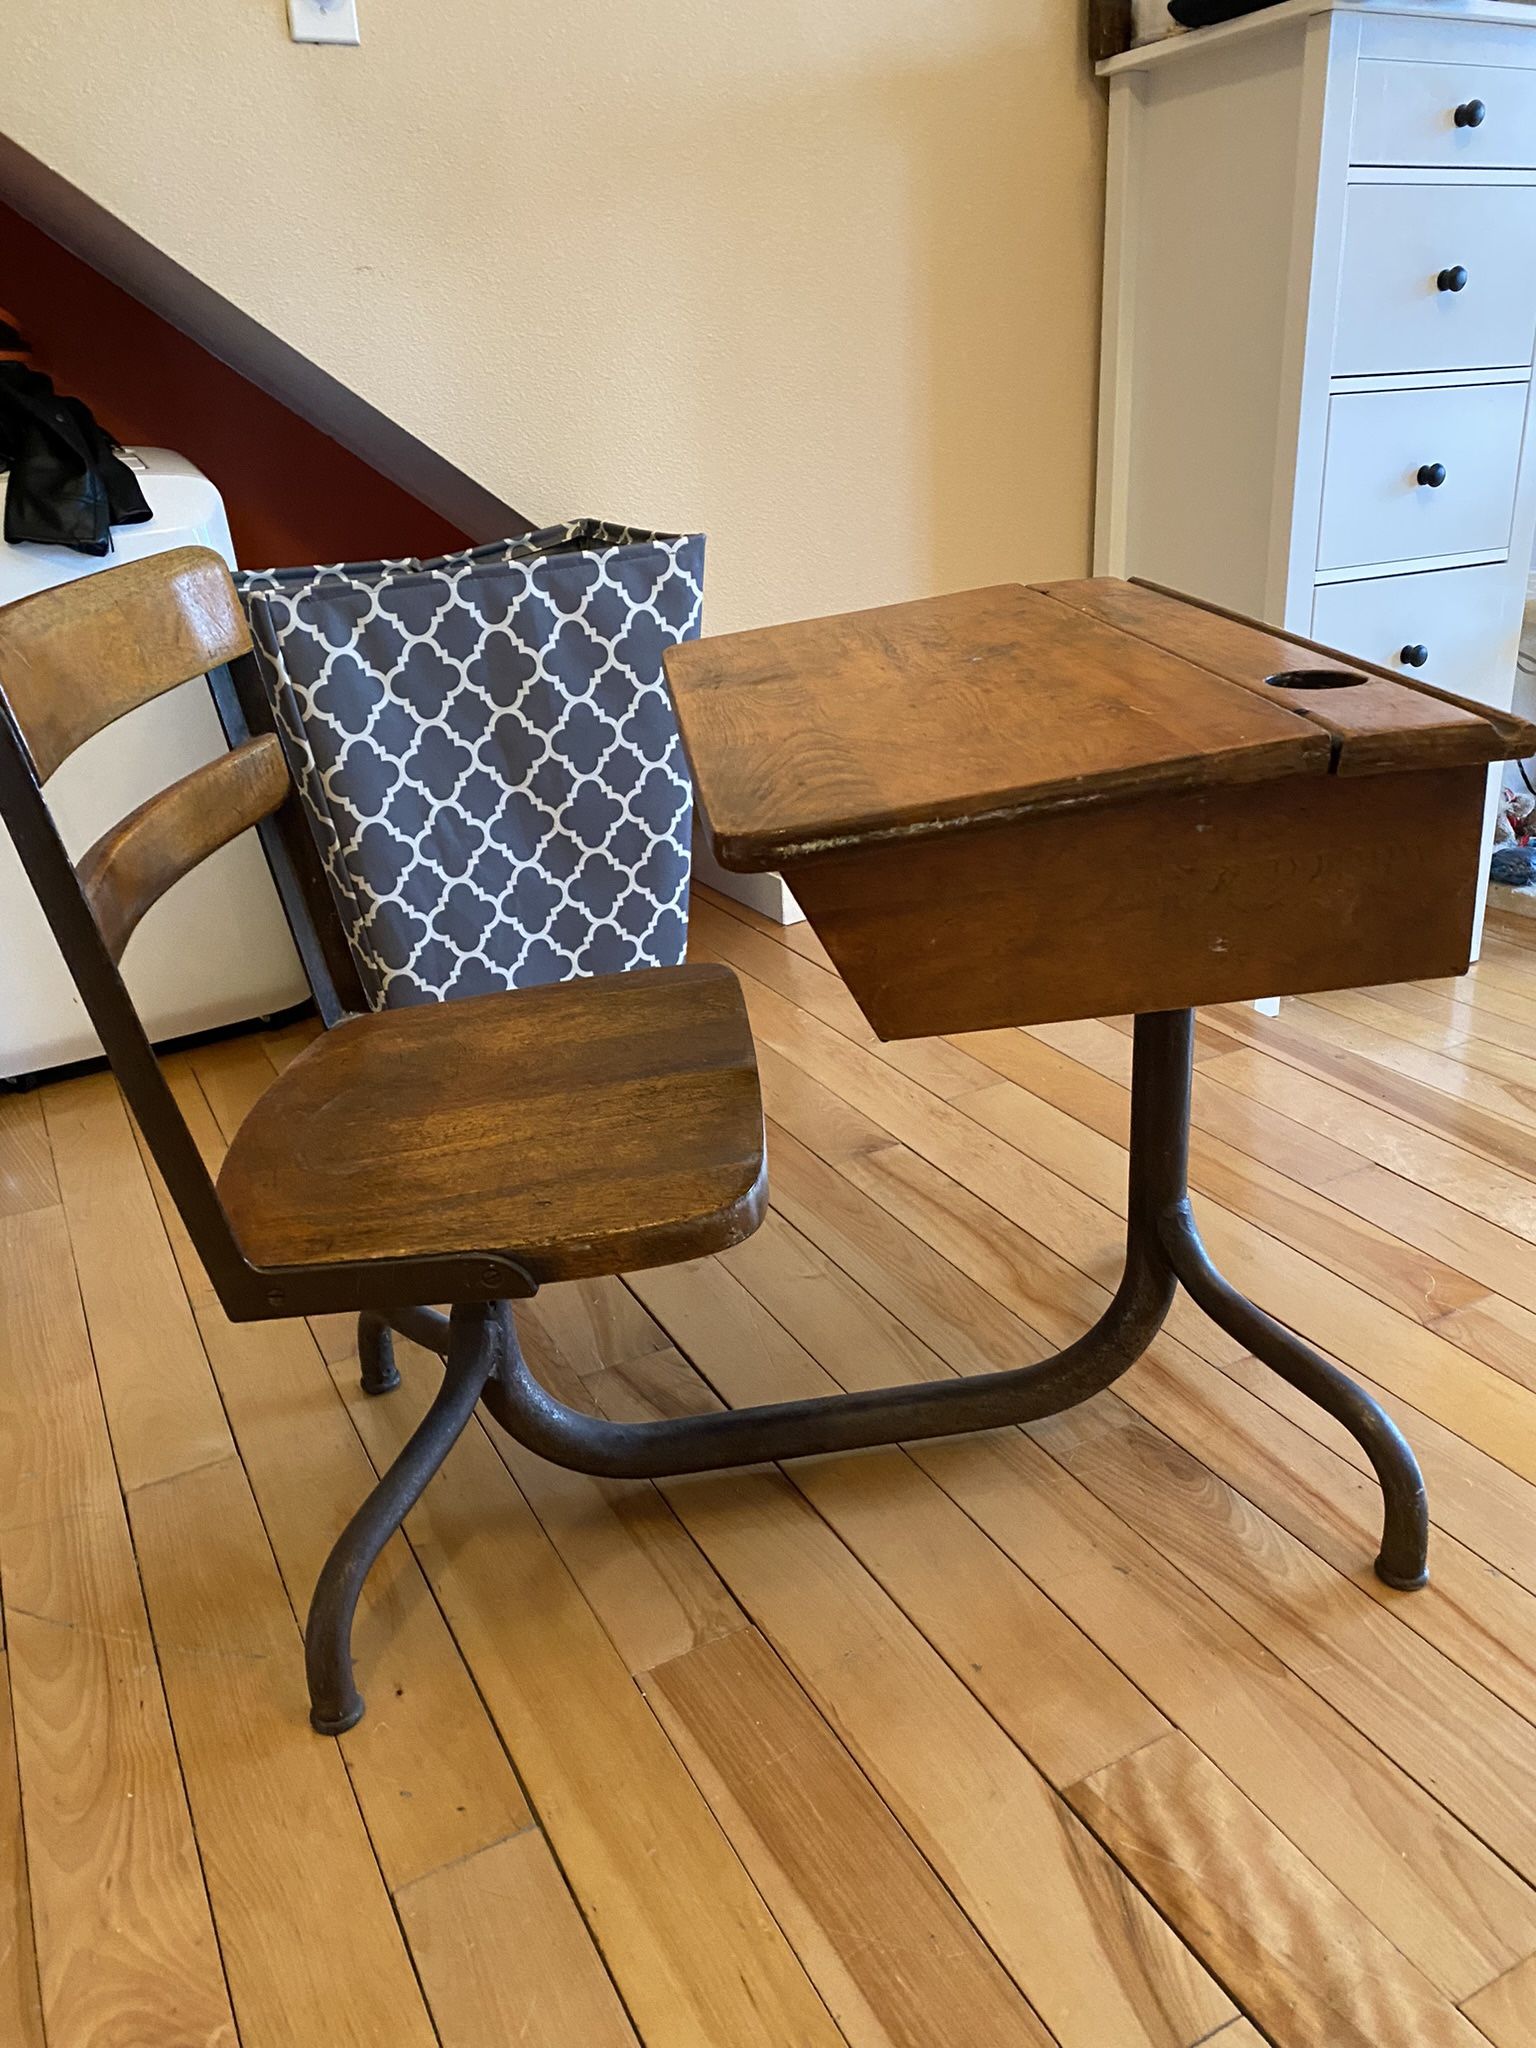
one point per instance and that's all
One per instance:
(133, 864)
(1214, 895)
(1516, 734)
(1097, 1733)
(985, 704)
(1304, 1965)
(1506, 2011)
(823, 1848)
(1034, 1886)
(125, 1943)
(21, 2008)
(74, 658)
(586, 1127)
(504, 1955)
(1375, 724)
(1020, 806)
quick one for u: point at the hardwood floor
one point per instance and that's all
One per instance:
(1100, 1733)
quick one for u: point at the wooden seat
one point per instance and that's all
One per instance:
(464, 1152)
(592, 1127)
(467, 1151)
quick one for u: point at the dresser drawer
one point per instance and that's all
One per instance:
(1444, 114)
(1437, 277)
(1380, 443)
(1465, 621)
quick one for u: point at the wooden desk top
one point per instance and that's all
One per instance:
(987, 705)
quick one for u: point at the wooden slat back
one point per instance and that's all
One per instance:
(132, 865)
(74, 658)
(245, 712)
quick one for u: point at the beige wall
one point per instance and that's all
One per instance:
(820, 276)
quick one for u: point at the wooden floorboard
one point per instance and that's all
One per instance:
(1072, 1932)
(1506, 2010)
(21, 2007)
(291, 1871)
(901, 1964)
(504, 1955)
(125, 1943)
(1311, 1970)
(26, 1164)
(1101, 1734)
(692, 1948)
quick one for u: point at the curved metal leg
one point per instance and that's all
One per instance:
(334, 1702)
(887, 1415)
(376, 1353)
(427, 1327)
(1404, 1556)
(1163, 1248)
(836, 1422)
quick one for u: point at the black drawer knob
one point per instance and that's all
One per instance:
(1432, 474)
(1452, 280)
(1413, 656)
(1470, 114)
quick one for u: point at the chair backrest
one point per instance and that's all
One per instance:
(72, 660)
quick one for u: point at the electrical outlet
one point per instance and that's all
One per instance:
(323, 21)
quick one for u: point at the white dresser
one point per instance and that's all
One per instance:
(1319, 325)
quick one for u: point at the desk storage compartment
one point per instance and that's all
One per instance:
(1444, 115)
(1460, 620)
(1224, 895)
(1437, 277)
(1011, 806)
(1419, 473)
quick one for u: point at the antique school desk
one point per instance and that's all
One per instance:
(1014, 806)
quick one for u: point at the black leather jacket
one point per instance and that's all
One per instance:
(68, 485)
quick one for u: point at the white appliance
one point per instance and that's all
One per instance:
(216, 950)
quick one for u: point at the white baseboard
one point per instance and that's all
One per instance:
(765, 894)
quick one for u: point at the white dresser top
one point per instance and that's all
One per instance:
(1168, 49)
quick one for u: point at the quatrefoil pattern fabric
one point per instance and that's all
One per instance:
(487, 753)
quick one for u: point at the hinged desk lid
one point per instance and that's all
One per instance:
(991, 704)
(1378, 723)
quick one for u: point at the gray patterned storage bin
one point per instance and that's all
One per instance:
(487, 753)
